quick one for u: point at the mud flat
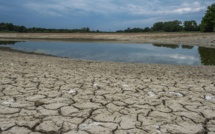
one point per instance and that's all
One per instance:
(43, 94)
(198, 39)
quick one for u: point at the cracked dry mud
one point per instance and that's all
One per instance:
(42, 94)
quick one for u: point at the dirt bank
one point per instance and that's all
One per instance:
(199, 39)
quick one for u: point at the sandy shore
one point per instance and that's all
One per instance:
(49, 95)
(198, 39)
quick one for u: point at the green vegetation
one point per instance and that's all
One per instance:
(191, 26)
(170, 26)
(134, 30)
(9, 27)
(208, 21)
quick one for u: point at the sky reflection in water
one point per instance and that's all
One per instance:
(138, 53)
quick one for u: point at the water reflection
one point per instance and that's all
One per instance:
(167, 46)
(187, 47)
(207, 55)
(173, 46)
(8, 42)
(101, 51)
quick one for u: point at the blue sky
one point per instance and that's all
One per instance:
(108, 15)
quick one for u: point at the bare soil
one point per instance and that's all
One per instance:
(198, 39)
(42, 94)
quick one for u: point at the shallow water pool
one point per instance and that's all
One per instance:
(120, 52)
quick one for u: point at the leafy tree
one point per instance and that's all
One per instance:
(172, 26)
(134, 30)
(191, 25)
(22, 29)
(85, 29)
(208, 21)
(147, 29)
(158, 26)
(6, 27)
(2, 27)
(10, 27)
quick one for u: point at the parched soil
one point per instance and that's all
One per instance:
(198, 39)
(42, 94)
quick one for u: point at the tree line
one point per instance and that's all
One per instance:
(169, 26)
(9, 27)
(207, 25)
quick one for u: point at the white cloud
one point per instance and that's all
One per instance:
(162, 9)
(105, 7)
(117, 14)
(74, 7)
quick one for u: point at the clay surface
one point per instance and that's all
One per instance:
(50, 95)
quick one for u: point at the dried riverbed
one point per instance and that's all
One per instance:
(49, 95)
(43, 94)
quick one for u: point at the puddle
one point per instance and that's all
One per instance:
(119, 52)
